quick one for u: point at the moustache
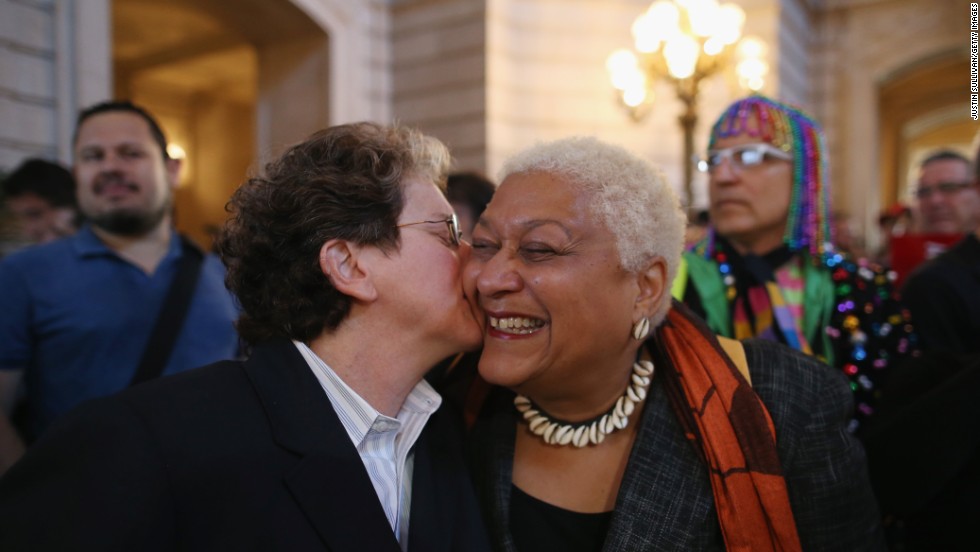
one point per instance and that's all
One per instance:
(106, 180)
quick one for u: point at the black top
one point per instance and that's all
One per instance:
(538, 526)
(244, 456)
(923, 446)
(665, 501)
(944, 297)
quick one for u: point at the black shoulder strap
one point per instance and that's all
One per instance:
(172, 314)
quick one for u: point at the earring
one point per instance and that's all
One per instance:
(641, 329)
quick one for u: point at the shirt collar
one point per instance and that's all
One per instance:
(356, 414)
(87, 244)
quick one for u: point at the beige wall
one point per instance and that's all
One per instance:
(293, 91)
(54, 59)
(792, 27)
(439, 76)
(359, 59)
(28, 96)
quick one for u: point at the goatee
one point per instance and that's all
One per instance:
(126, 222)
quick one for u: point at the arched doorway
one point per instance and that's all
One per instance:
(231, 83)
(923, 107)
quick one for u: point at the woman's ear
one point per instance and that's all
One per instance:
(652, 285)
(342, 263)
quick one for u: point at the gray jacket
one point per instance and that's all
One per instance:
(665, 501)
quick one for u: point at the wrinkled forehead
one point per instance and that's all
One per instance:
(537, 195)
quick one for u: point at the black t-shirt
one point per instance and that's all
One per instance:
(540, 527)
(944, 297)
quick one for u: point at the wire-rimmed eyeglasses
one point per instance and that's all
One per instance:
(943, 189)
(743, 156)
(455, 236)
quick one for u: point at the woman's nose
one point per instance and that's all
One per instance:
(499, 274)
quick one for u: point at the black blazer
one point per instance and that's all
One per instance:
(665, 500)
(233, 456)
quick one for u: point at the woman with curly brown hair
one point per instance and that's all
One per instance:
(346, 258)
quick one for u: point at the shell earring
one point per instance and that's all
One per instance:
(641, 329)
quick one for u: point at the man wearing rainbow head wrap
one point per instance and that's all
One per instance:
(768, 267)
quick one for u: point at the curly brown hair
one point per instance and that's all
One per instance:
(344, 182)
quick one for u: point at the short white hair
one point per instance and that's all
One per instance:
(630, 196)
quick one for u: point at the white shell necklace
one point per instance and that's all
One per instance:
(594, 431)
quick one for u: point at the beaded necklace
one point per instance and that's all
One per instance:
(579, 434)
(846, 276)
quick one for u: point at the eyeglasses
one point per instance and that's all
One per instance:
(943, 188)
(455, 236)
(745, 156)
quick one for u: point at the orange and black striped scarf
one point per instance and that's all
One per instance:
(733, 432)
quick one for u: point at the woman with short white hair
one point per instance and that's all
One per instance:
(617, 420)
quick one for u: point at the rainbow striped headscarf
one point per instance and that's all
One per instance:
(792, 130)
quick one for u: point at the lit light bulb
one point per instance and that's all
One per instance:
(751, 73)
(174, 151)
(655, 25)
(620, 59)
(704, 17)
(664, 17)
(623, 69)
(644, 34)
(750, 47)
(731, 18)
(713, 46)
(631, 80)
(752, 68)
(633, 97)
(681, 52)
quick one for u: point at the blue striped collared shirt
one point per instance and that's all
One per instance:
(384, 443)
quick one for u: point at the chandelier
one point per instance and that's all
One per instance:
(683, 42)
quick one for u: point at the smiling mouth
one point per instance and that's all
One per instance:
(517, 325)
(115, 188)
